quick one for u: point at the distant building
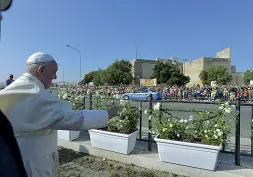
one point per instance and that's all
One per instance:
(143, 68)
(223, 58)
(237, 78)
(195, 67)
(233, 68)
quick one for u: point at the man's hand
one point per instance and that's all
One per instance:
(113, 111)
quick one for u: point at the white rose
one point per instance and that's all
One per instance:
(146, 111)
(157, 106)
(228, 110)
(220, 133)
(123, 102)
(65, 96)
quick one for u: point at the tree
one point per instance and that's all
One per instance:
(167, 73)
(179, 79)
(215, 73)
(99, 77)
(248, 76)
(88, 77)
(119, 72)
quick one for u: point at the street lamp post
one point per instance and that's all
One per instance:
(62, 72)
(80, 60)
(185, 60)
(4, 6)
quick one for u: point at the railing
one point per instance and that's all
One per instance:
(150, 102)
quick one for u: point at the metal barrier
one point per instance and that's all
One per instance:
(150, 101)
(237, 133)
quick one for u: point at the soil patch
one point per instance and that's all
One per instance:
(77, 164)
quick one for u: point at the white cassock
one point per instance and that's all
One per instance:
(36, 114)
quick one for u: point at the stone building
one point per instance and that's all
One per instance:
(233, 68)
(237, 78)
(195, 67)
(223, 58)
(143, 69)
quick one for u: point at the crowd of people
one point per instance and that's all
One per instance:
(196, 92)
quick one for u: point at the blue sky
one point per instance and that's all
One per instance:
(105, 30)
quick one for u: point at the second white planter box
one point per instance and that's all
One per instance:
(68, 135)
(188, 154)
(111, 141)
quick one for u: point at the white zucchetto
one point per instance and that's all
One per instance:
(40, 57)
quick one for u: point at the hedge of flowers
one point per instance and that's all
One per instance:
(211, 128)
(127, 119)
(77, 98)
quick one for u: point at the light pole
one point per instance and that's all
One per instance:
(185, 60)
(4, 6)
(80, 60)
(62, 72)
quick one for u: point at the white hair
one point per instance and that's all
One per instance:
(33, 67)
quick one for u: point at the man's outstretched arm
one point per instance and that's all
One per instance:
(84, 119)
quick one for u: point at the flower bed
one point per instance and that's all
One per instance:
(120, 135)
(178, 139)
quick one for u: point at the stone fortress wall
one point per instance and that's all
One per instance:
(223, 58)
(192, 69)
(142, 69)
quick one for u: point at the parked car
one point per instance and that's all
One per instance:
(143, 95)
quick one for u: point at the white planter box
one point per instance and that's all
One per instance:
(68, 135)
(115, 142)
(188, 154)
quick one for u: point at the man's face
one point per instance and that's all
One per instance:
(10, 77)
(49, 74)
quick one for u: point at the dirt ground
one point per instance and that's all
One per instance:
(74, 164)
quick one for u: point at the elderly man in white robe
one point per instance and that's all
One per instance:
(36, 114)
